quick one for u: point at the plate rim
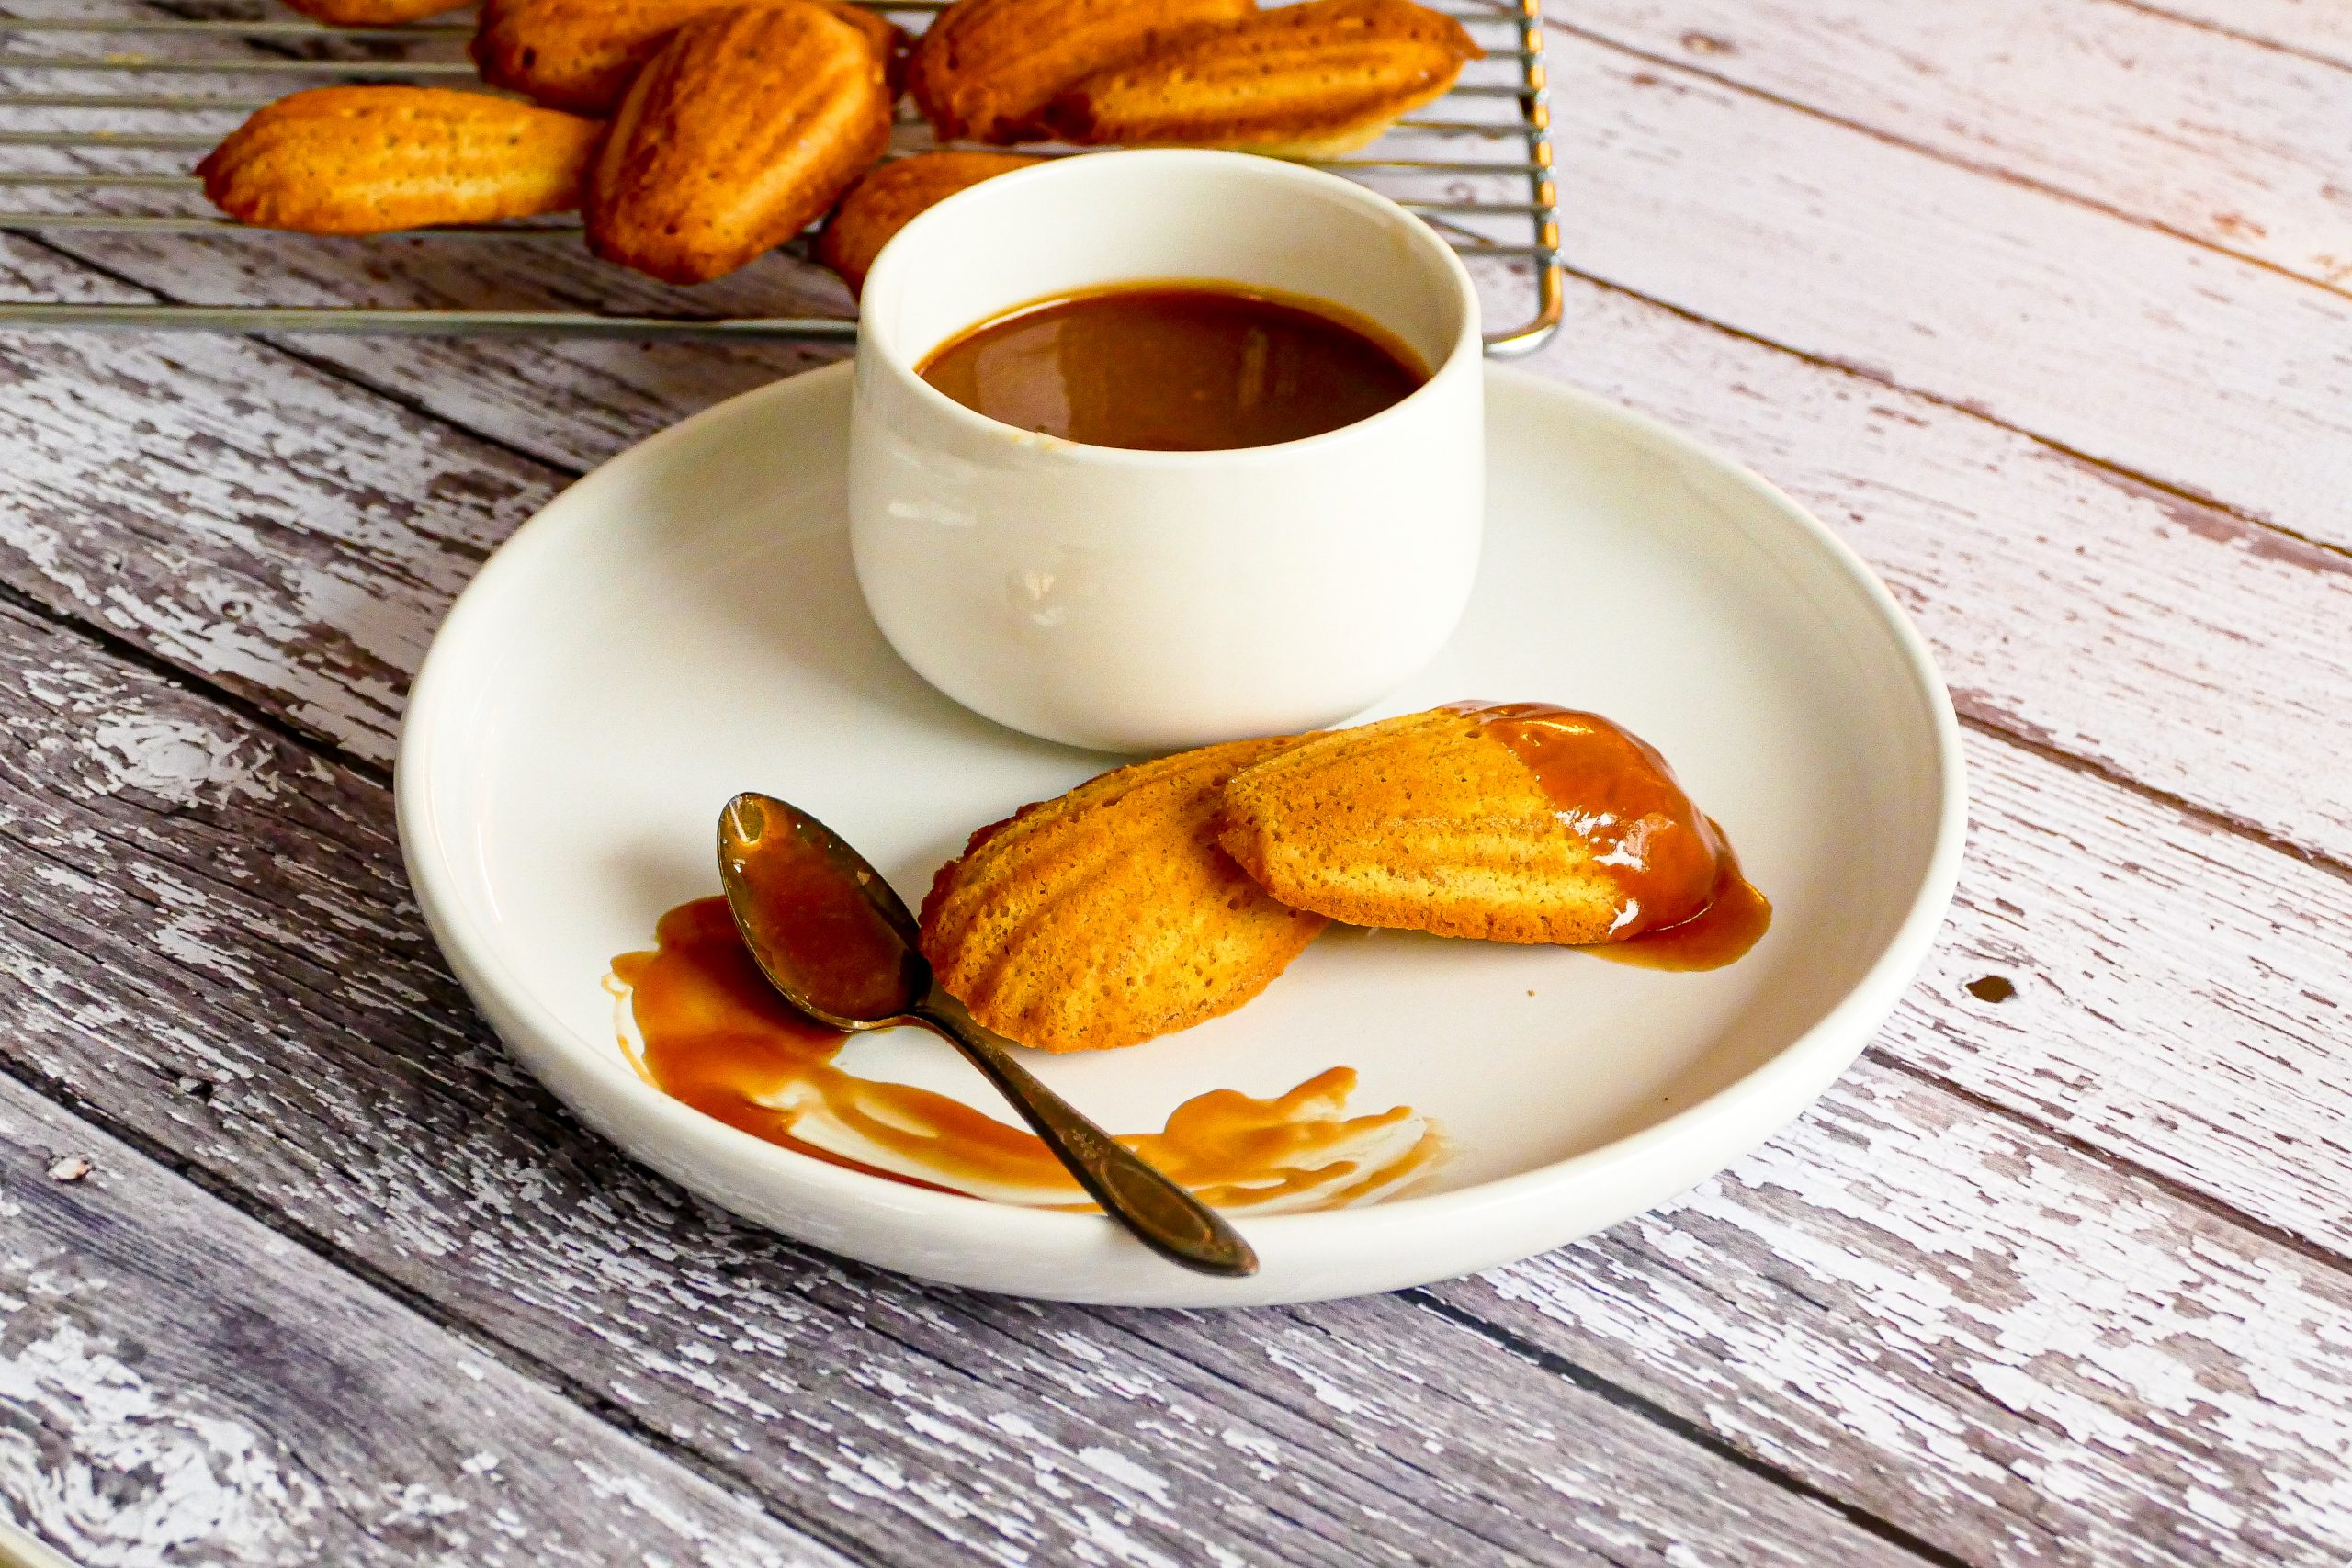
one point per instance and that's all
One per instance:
(1805, 1060)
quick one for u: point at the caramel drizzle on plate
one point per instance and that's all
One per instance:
(710, 1031)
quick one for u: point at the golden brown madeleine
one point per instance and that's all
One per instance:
(371, 13)
(364, 160)
(740, 131)
(1110, 915)
(1523, 823)
(580, 54)
(1305, 81)
(890, 195)
(987, 67)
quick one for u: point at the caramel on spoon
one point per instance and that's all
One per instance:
(838, 944)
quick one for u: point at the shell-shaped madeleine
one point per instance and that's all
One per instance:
(1110, 915)
(1310, 80)
(889, 198)
(365, 160)
(581, 54)
(1524, 823)
(738, 134)
(985, 68)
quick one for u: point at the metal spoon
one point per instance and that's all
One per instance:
(831, 936)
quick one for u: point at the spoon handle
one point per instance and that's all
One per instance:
(1160, 1214)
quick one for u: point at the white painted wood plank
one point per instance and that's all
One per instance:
(299, 540)
(179, 1383)
(2188, 367)
(2181, 997)
(1911, 1303)
(2168, 642)
(207, 940)
(2319, 29)
(349, 1092)
(2227, 141)
(2197, 369)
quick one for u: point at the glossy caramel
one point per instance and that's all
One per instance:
(1187, 367)
(710, 1031)
(1686, 904)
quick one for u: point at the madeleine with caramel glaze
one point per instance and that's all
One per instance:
(889, 198)
(743, 129)
(1110, 915)
(580, 54)
(367, 160)
(987, 67)
(1523, 823)
(1313, 80)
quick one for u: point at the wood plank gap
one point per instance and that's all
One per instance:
(1987, 720)
(2201, 24)
(2172, 1187)
(1625, 1399)
(2107, 468)
(1975, 166)
(119, 646)
(599, 1407)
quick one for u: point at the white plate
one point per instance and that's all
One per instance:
(683, 623)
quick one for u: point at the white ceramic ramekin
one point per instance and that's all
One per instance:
(1137, 601)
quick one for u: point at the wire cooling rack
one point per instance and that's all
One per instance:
(103, 117)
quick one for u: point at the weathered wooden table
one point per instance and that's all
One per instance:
(2046, 305)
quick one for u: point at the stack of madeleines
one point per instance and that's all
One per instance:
(1169, 892)
(697, 134)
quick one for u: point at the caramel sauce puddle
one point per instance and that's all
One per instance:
(710, 1032)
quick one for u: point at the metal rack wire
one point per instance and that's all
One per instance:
(1476, 165)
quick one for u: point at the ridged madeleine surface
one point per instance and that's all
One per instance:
(1110, 915)
(987, 67)
(742, 130)
(889, 198)
(1311, 80)
(1434, 822)
(370, 13)
(581, 54)
(365, 160)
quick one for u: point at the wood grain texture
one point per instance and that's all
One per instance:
(326, 1069)
(2226, 141)
(353, 1092)
(1981, 1334)
(2203, 372)
(2166, 642)
(179, 1383)
(2066, 604)
(2180, 1000)
(2318, 30)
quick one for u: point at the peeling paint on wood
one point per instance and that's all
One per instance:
(2209, 374)
(2219, 140)
(356, 1097)
(180, 1385)
(1979, 1336)
(1995, 1296)
(355, 1094)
